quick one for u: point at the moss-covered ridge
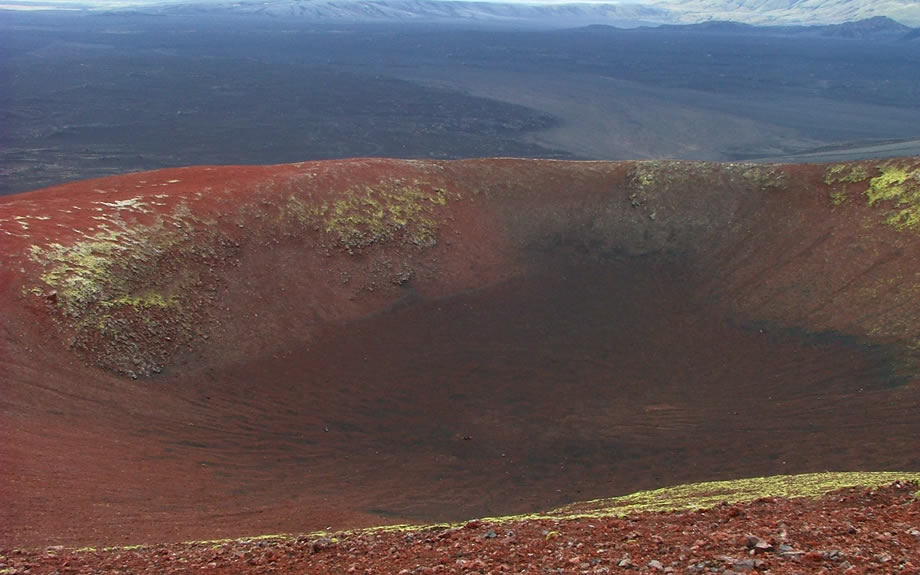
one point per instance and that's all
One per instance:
(688, 497)
(709, 494)
(705, 495)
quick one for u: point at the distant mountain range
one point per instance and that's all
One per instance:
(879, 13)
(482, 12)
(877, 28)
(545, 13)
(783, 12)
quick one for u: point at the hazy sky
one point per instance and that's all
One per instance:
(12, 3)
(141, 2)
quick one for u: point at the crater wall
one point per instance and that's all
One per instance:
(355, 342)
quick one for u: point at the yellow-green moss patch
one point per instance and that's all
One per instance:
(897, 185)
(893, 186)
(761, 176)
(80, 274)
(839, 176)
(367, 214)
(845, 173)
(678, 498)
(122, 292)
(695, 496)
(97, 269)
(143, 301)
(709, 494)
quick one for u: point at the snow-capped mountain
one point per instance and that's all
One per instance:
(533, 12)
(553, 12)
(783, 12)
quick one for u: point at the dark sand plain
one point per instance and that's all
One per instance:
(87, 95)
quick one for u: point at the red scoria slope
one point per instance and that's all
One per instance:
(221, 351)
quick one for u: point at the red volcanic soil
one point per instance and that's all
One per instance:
(216, 352)
(854, 531)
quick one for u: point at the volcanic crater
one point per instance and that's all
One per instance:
(213, 352)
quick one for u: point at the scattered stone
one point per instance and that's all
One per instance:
(788, 552)
(448, 533)
(758, 545)
(321, 544)
(655, 544)
(813, 556)
(746, 565)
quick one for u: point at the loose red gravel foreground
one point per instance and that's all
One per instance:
(854, 531)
